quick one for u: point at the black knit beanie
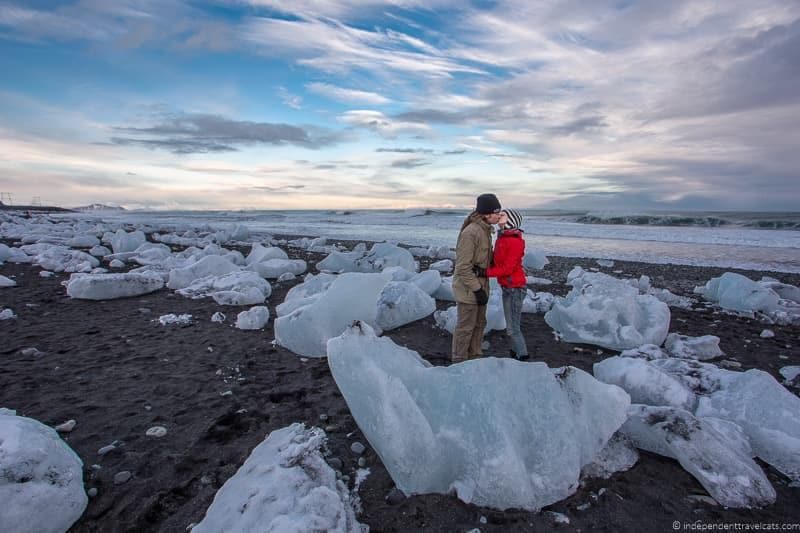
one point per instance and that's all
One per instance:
(487, 204)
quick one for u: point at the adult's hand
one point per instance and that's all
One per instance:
(481, 298)
(480, 272)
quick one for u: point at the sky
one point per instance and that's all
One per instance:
(305, 104)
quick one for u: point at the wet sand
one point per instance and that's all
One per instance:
(110, 366)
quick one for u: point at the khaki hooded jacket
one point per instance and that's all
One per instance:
(473, 248)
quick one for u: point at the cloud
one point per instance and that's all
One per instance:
(341, 94)
(383, 125)
(413, 162)
(199, 133)
(405, 150)
(292, 100)
(285, 188)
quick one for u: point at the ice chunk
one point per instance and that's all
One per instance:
(445, 290)
(534, 260)
(790, 374)
(340, 262)
(99, 251)
(211, 265)
(116, 263)
(768, 412)
(284, 485)
(498, 432)
(398, 273)
(767, 334)
(112, 286)
(218, 317)
(646, 383)
(531, 280)
(127, 242)
(428, 280)
(702, 348)
(83, 241)
(401, 303)
(728, 473)
(7, 314)
(235, 288)
(384, 254)
(254, 318)
(311, 285)
(783, 290)
(352, 296)
(608, 312)
(645, 351)
(41, 478)
(605, 263)
(537, 302)
(618, 455)
(445, 265)
(259, 253)
(173, 319)
(737, 293)
(7, 282)
(5, 253)
(275, 268)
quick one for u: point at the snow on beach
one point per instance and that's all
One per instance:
(184, 273)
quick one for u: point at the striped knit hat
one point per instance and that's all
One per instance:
(514, 219)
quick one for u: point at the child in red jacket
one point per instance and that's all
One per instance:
(507, 268)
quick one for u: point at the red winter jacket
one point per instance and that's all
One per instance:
(507, 263)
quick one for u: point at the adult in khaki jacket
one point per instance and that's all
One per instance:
(474, 249)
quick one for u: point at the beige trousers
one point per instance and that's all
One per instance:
(468, 334)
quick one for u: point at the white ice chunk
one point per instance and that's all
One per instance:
(768, 412)
(259, 253)
(384, 254)
(398, 273)
(83, 241)
(532, 280)
(445, 265)
(618, 455)
(41, 478)
(428, 280)
(737, 293)
(340, 262)
(645, 351)
(235, 288)
(401, 303)
(767, 334)
(352, 296)
(608, 312)
(445, 290)
(701, 348)
(116, 263)
(605, 263)
(99, 251)
(5, 253)
(7, 282)
(646, 383)
(534, 260)
(173, 319)
(285, 485)
(218, 317)
(497, 432)
(311, 285)
(112, 286)
(728, 473)
(127, 242)
(537, 302)
(7, 314)
(790, 374)
(784, 290)
(254, 318)
(275, 268)
(211, 265)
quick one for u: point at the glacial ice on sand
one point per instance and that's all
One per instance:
(738, 293)
(701, 348)
(254, 318)
(352, 296)
(112, 286)
(608, 312)
(41, 478)
(284, 485)
(402, 302)
(646, 383)
(497, 432)
(723, 466)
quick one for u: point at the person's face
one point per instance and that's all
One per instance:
(502, 220)
(493, 218)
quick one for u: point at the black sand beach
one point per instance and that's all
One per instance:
(110, 366)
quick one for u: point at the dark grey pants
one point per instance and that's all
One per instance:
(512, 309)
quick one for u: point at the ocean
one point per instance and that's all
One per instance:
(758, 241)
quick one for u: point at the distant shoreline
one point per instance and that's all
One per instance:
(36, 208)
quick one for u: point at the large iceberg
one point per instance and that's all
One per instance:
(41, 478)
(608, 312)
(111, 286)
(497, 432)
(284, 485)
(352, 296)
